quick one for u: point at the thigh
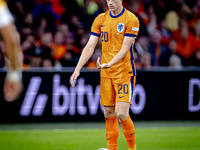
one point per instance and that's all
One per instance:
(107, 92)
(124, 89)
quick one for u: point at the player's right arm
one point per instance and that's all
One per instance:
(89, 48)
(85, 56)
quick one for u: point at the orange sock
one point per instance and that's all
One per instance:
(112, 132)
(129, 132)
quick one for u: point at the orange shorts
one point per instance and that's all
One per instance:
(114, 90)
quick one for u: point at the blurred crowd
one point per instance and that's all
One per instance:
(54, 32)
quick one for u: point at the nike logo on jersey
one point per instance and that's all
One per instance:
(121, 96)
(103, 25)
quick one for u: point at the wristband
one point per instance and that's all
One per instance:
(14, 75)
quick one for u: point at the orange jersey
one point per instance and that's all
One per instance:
(2, 3)
(112, 30)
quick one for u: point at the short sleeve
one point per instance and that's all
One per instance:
(132, 27)
(96, 27)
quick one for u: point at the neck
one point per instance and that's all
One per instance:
(117, 11)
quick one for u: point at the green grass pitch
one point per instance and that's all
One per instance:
(66, 137)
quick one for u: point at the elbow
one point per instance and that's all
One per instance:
(89, 50)
(124, 53)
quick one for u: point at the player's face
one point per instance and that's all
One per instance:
(113, 5)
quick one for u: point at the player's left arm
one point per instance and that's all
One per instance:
(128, 41)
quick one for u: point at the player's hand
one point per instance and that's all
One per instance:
(12, 90)
(74, 77)
(98, 63)
(103, 66)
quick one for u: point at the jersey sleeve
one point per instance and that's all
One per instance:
(132, 27)
(96, 27)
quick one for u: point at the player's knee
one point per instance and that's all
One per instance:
(121, 115)
(109, 113)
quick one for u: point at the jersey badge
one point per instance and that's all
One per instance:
(120, 27)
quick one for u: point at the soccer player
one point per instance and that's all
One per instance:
(117, 29)
(13, 80)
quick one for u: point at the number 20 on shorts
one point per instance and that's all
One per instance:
(123, 89)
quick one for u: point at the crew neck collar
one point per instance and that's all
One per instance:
(117, 15)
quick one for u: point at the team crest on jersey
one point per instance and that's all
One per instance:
(120, 27)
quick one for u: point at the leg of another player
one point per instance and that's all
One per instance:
(122, 113)
(112, 128)
(13, 80)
